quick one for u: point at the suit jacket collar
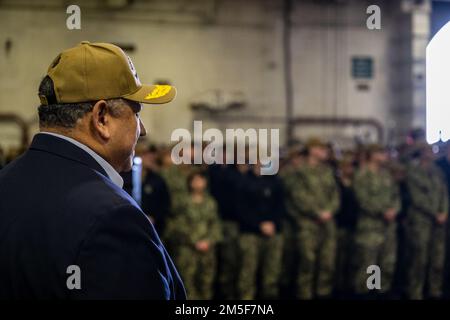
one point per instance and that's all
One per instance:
(65, 149)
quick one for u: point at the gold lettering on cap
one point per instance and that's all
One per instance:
(158, 91)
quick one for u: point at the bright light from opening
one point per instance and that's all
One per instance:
(438, 86)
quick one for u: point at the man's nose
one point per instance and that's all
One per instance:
(143, 131)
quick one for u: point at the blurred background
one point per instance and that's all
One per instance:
(340, 93)
(303, 66)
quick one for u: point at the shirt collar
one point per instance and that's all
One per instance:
(110, 171)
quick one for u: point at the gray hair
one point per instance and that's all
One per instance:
(66, 115)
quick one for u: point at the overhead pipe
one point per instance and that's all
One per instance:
(342, 121)
(305, 121)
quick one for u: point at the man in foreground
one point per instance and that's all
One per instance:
(67, 229)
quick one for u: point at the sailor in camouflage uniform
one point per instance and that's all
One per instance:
(314, 200)
(377, 195)
(175, 177)
(289, 256)
(195, 231)
(444, 164)
(260, 210)
(224, 182)
(425, 226)
(346, 222)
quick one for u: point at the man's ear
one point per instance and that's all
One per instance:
(101, 120)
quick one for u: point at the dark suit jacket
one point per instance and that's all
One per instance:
(58, 208)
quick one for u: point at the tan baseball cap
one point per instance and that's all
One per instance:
(95, 71)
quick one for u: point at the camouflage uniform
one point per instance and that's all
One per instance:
(176, 180)
(315, 190)
(444, 164)
(196, 222)
(263, 252)
(224, 180)
(260, 200)
(375, 238)
(426, 238)
(346, 225)
(290, 251)
(229, 258)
